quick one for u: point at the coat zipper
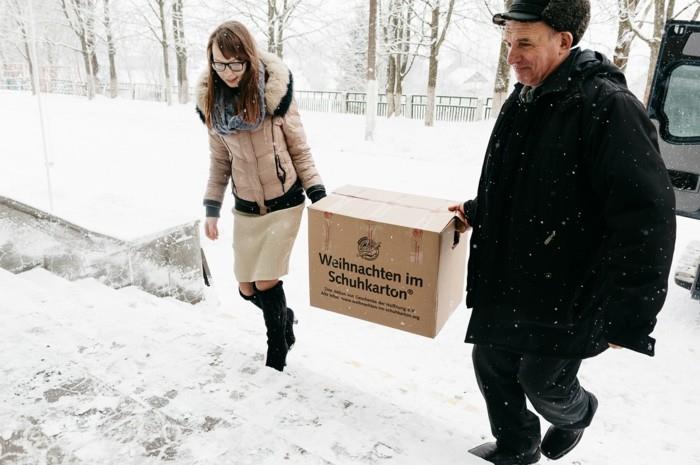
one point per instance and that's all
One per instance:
(278, 163)
(230, 160)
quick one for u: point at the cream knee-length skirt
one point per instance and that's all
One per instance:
(262, 244)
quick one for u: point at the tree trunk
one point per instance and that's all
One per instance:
(29, 63)
(391, 39)
(655, 44)
(89, 5)
(432, 65)
(164, 44)
(625, 35)
(670, 9)
(111, 53)
(279, 48)
(90, 40)
(371, 111)
(271, 29)
(502, 82)
(402, 65)
(19, 20)
(390, 85)
(89, 76)
(397, 94)
(83, 27)
(281, 20)
(180, 52)
(437, 37)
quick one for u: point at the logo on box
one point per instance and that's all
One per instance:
(368, 248)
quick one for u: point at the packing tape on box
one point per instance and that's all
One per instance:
(416, 253)
(327, 218)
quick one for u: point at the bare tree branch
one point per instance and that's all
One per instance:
(636, 27)
(64, 8)
(687, 7)
(64, 45)
(19, 50)
(488, 8)
(447, 22)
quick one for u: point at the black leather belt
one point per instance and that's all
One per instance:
(293, 197)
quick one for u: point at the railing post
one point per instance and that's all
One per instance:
(480, 109)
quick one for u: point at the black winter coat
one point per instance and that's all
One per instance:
(573, 223)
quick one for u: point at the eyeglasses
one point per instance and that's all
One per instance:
(233, 66)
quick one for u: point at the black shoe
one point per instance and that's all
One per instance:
(274, 307)
(492, 453)
(558, 442)
(291, 320)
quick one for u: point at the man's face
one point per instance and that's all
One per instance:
(535, 50)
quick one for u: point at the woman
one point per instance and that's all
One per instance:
(257, 141)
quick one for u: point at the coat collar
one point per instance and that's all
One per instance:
(278, 86)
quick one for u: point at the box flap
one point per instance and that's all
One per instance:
(406, 210)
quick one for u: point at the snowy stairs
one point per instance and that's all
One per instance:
(83, 374)
(95, 375)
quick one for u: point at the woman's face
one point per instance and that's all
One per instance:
(223, 67)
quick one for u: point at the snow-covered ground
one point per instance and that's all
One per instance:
(89, 375)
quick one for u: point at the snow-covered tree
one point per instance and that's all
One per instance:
(111, 51)
(80, 17)
(501, 86)
(272, 18)
(18, 18)
(352, 53)
(371, 110)
(437, 37)
(405, 34)
(634, 22)
(157, 23)
(180, 51)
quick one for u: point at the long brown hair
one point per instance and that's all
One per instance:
(235, 41)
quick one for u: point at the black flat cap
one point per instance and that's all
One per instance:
(522, 10)
(561, 15)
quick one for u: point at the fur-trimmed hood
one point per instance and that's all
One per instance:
(278, 86)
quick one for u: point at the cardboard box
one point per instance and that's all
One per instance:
(386, 257)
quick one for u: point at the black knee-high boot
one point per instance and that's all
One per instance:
(274, 307)
(291, 320)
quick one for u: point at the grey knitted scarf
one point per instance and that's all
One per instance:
(224, 118)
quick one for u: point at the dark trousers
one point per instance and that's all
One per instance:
(505, 379)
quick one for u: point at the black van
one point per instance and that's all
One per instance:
(674, 106)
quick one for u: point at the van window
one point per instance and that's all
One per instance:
(682, 104)
(692, 47)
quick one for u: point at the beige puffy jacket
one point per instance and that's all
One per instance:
(247, 158)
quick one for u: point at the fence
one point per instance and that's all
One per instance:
(447, 108)
(151, 92)
(488, 106)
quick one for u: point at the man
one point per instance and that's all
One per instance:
(573, 233)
